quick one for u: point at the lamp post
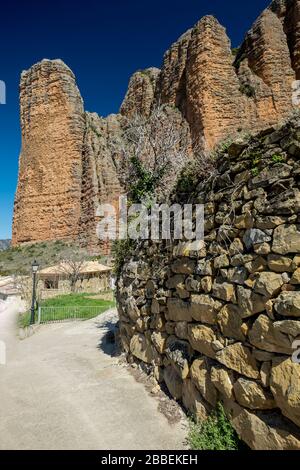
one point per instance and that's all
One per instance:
(35, 268)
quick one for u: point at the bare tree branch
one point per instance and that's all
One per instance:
(72, 264)
(160, 145)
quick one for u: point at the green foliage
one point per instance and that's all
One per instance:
(224, 145)
(215, 433)
(255, 158)
(145, 182)
(188, 180)
(247, 90)
(277, 158)
(120, 250)
(254, 171)
(3, 272)
(235, 51)
(144, 72)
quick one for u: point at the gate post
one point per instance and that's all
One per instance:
(39, 314)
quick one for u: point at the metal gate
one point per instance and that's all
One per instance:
(63, 314)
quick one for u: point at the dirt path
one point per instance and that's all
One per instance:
(62, 389)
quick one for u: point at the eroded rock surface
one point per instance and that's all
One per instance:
(47, 204)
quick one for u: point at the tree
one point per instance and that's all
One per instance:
(72, 264)
(155, 150)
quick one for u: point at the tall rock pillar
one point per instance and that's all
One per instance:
(47, 202)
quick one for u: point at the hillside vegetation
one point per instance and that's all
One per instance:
(19, 259)
(4, 244)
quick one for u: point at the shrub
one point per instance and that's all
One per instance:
(247, 90)
(224, 145)
(215, 433)
(277, 158)
(154, 153)
(239, 57)
(185, 183)
(145, 182)
(120, 250)
(255, 158)
(145, 73)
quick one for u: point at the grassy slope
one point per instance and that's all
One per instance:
(19, 259)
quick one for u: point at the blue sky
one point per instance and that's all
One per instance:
(103, 42)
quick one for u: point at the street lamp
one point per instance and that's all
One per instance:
(35, 267)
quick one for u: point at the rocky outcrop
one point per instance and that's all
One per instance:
(220, 95)
(66, 167)
(47, 204)
(68, 163)
(171, 86)
(140, 95)
(265, 70)
(214, 104)
(100, 176)
(288, 11)
(228, 314)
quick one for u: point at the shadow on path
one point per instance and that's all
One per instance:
(107, 342)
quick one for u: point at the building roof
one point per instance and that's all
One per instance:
(88, 267)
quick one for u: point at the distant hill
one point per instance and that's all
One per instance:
(18, 259)
(4, 244)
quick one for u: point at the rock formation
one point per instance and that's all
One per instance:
(100, 178)
(288, 11)
(140, 95)
(47, 204)
(69, 162)
(221, 321)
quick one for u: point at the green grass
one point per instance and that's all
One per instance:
(215, 433)
(277, 158)
(71, 300)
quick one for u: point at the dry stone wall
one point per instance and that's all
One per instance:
(219, 323)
